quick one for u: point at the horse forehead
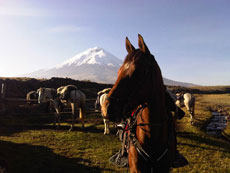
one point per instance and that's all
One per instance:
(126, 65)
(128, 68)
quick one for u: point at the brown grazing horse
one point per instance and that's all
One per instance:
(139, 91)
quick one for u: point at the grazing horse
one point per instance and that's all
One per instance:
(101, 97)
(139, 95)
(64, 91)
(50, 95)
(31, 95)
(185, 100)
(76, 99)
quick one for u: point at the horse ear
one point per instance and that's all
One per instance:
(129, 46)
(142, 44)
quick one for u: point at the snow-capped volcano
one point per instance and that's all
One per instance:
(92, 56)
(94, 64)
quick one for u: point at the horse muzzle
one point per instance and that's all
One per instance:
(113, 112)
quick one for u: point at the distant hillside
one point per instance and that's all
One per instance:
(19, 87)
(176, 83)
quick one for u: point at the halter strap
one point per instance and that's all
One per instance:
(133, 124)
(115, 99)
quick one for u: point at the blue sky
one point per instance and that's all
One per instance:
(190, 39)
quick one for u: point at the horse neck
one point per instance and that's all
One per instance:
(157, 103)
(154, 133)
(48, 94)
(155, 115)
(102, 98)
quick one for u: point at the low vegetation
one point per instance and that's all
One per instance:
(28, 142)
(205, 153)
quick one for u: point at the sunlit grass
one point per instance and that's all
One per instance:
(204, 153)
(29, 143)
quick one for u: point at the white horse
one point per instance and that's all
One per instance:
(101, 97)
(76, 98)
(31, 95)
(185, 100)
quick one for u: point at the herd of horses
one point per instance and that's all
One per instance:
(138, 92)
(181, 100)
(77, 100)
(68, 95)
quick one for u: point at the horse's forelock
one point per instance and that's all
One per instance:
(138, 57)
(132, 56)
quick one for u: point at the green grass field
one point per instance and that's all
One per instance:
(205, 153)
(30, 144)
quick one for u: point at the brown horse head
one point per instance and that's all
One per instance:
(139, 86)
(139, 80)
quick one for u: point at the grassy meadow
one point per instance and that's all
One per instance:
(30, 144)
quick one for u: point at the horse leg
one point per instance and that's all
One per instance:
(82, 113)
(73, 113)
(187, 105)
(133, 160)
(57, 116)
(191, 116)
(55, 119)
(106, 123)
(192, 111)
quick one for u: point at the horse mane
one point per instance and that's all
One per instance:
(66, 89)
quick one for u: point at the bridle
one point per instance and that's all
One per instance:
(133, 138)
(129, 100)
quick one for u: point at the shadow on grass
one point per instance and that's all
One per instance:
(6, 130)
(10, 124)
(204, 140)
(28, 158)
(202, 124)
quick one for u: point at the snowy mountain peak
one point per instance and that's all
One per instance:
(92, 56)
(94, 64)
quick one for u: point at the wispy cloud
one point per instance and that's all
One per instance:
(21, 12)
(66, 29)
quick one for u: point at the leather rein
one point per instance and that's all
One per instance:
(131, 126)
(133, 138)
